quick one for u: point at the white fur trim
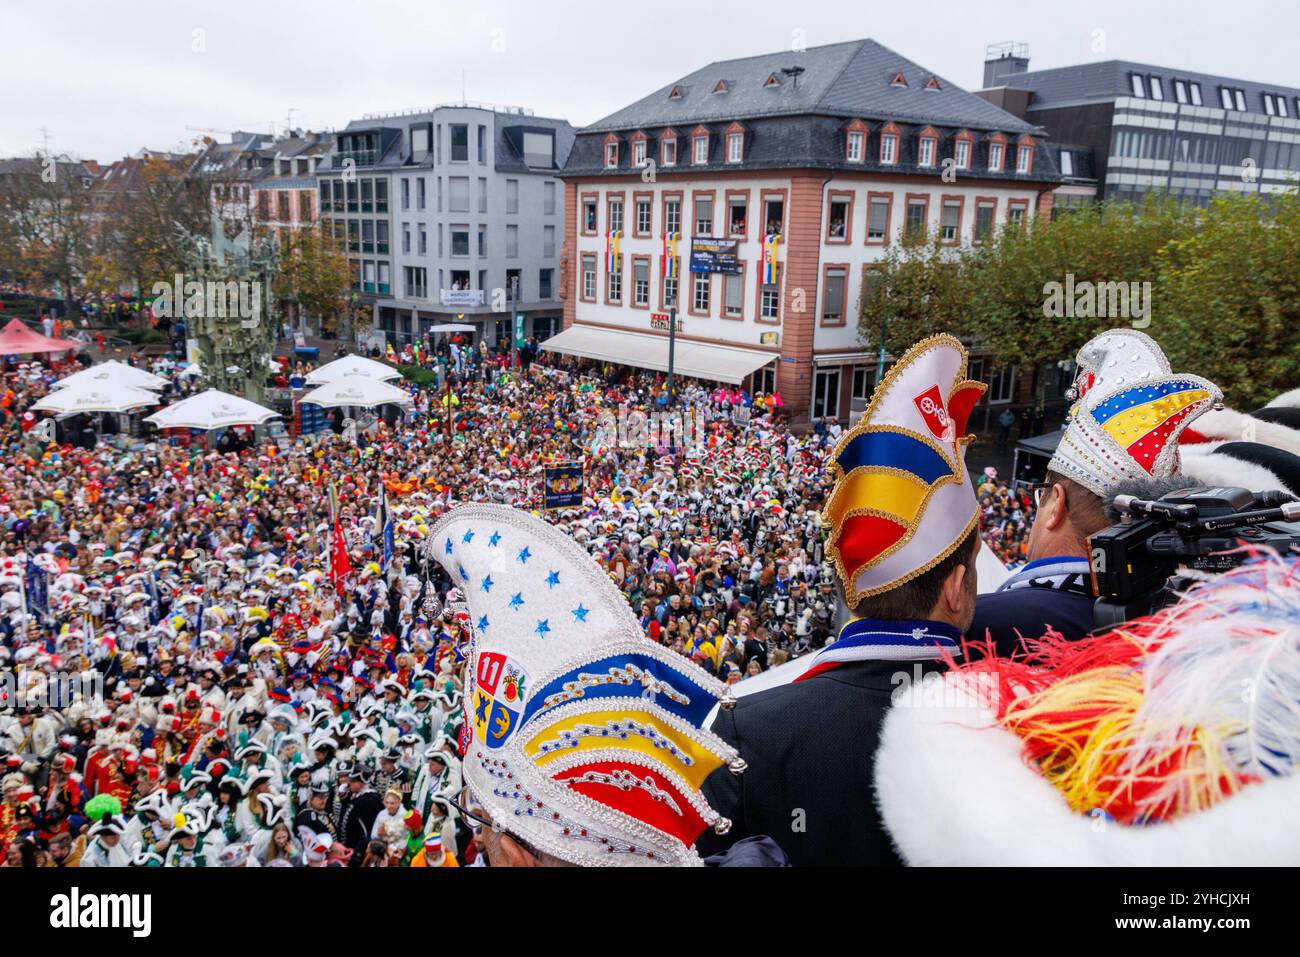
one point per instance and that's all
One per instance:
(1233, 426)
(953, 790)
(1290, 400)
(1203, 463)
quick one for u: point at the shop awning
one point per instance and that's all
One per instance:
(697, 360)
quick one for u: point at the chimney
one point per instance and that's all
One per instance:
(1002, 60)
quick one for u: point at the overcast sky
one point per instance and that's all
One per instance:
(105, 79)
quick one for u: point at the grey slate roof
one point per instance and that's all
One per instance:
(506, 156)
(1104, 81)
(849, 79)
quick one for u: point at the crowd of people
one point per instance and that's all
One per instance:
(1006, 515)
(250, 708)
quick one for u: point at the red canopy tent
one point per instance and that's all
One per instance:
(17, 339)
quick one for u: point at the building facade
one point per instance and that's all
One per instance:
(813, 164)
(451, 215)
(1156, 129)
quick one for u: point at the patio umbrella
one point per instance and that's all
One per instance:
(96, 397)
(352, 365)
(357, 390)
(209, 410)
(114, 372)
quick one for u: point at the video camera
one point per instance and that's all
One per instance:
(1137, 564)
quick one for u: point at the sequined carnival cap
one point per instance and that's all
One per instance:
(582, 736)
(902, 499)
(1128, 413)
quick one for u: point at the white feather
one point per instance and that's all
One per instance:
(1289, 400)
(1203, 463)
(1233, 426)
(1230, 666)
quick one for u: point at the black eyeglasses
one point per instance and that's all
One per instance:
(1038, 489)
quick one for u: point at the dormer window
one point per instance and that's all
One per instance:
(932, 83)
(771, 81)
(888, 149)
(668, 148)
(899, 79)
(997, 153)
(611, 155)
(1025, 155)
(735, 143)
(926, 148)
(675, 93)
(638, 149)
(854, 147)
(961, 150)
(721, 87)
(700, 149)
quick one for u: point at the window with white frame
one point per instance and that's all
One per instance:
(769, 306)
(1016, 214)
(961, 154)
(735, 147)
(950, 223)
(589, 277)
(638, 153)
(855, 150)
(833, 296)
(733, 304)
(614, 282)
(1023, 156)
(616, 215)
(701, 156)
(611, 155)
(672, 216)
(669, 156)
(878, 220)
(1225, 97)
(995, 157)
(889, 149)
(1137, 86)
(1180, 91)
(1194, 89)
(670, 290)
(1157, 88)
(641, 282)
(925, 155)
(704, 216)
(643, 215)
(700, 286)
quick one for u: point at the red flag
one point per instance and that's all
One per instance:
(340, 564)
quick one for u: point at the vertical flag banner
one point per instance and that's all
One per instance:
(770, 243)
(613, 255)
(670, 255)
(563, 485)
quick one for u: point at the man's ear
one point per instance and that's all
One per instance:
(1058, 509)
(954, 589)
(515, 856)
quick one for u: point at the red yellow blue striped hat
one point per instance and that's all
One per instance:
(902, 500)
(1129, 412)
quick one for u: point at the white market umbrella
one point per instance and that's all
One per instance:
(357, 390)
(107, 396)
(210, 410)
(452, 327)
(114, 372)
(352, 365)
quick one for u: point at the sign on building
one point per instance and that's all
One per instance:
(714, 255)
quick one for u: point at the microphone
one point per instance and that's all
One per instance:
(1137, 496)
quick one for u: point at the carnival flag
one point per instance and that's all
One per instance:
(340, 563)
(670, 255)
(613, 255)
(770, 243)
(385, 522)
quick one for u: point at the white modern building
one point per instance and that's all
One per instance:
(451, 214)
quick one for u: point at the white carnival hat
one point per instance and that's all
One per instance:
(1128, 413)
(902, 500)
(581, 736)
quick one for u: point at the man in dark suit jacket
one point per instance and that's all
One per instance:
(810, 745)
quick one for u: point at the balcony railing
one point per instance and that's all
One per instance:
(358, 157)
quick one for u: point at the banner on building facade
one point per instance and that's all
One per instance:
(562, 485)
(771, 242)
(669, 262)
(714, 255)
(613, 250)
